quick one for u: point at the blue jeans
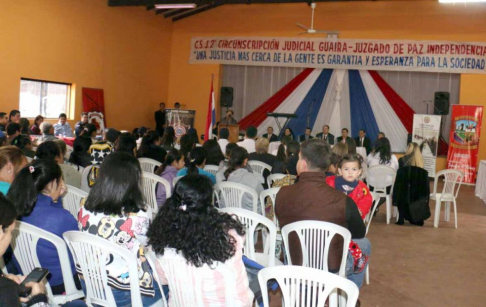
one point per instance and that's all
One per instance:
(365, 246)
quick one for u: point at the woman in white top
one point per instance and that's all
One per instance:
(381, 155)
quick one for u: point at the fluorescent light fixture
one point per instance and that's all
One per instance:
(461, 1)
(175, 6)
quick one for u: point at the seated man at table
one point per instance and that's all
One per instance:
(270, 136)
(325, 135)
(363, 141)
(307, 135)
(62, 127)
(312, 199)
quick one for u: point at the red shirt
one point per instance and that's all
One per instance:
(361, 196)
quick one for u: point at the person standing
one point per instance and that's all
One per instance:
(62, 127)
(228, 120)
(79, 127)
(363, 141)
(160, 119)
(325, 135)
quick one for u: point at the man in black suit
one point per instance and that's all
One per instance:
(160, 119)
(325, 135)
(363, 141)
(270, 136)
(344, 136)
(306, 136)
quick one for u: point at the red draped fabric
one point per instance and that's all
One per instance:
(256, 117)
(401, 108)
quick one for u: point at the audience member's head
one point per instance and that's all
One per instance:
(223, 133)
(12, 159)
(24, 126)
(238, 159)
(39, 119)
(213, 152)
(47, 128)
(3, 138)
(187, 144)
(8, 215)
(383, 148)
(251, 132)
(80, 154)
(334, 163)
(351, 143)
(3, 119)
(117, 189)
(197, 159)
(350, 167)
(126, 143)
(281, 155)
(142, 131)
(344, 132)
(229, 148)
(22, 141)
(206, 241)
(314, 157)
(62, 147)
(169, 137)
(152, 138)
(340, 149)
(414, 155)
(41, 176)
(293, 149)
(13, 129)
(193, 132)
(174, 158)
(62, 118)
(49, 150)
(261, 145)
(90, 130)
(14, 116)
(112, 135)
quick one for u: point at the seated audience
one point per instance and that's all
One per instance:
(115, 211)
(261, 154)
(9, 284)
(80, 155)
(382, 155)
(3, 139)
(12, 160)
(340, 149)
(197, 161)
(293, 149)
(14, 117)
(169, 138)
(281, 158)
(24, 126)
(237, 172)
(79, 127)
(13, 130)
(332, 170)
(323, 203)
(307, 135)
(55, 151)
(213, 237)
(412, 157)
(150, 147)
(214, 154)
(186, 146)
(249, 142)
(47, 132)
(3, 121)
(174, 161)
(224, 167)
(223, 139)
(270, 136)
(35, 129)
(126, 143)
(193, 132)
(287, 136)
(24, 142)
(89, 131)
(101, 149)
(36, 193)
(62, 127)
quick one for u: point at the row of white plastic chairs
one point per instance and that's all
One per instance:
(90, 252)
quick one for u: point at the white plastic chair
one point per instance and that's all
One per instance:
(213, 169)
(380, 177)
(29, 159)
(259, 167)
(251, 221)
(77, 167)
(72, 199)
(367, 221)
(449, 194)
(92, 253)
(149, 186)
(148, 165)
(151, 259)
(185, 280)
(272, 177)
(307, 287)
(24, 245)
(272, 193)
(230, 194)
(315, 238)
(175, 180)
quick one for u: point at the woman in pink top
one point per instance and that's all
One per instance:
(190, 225)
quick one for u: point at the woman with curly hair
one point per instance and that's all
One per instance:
(190, 225)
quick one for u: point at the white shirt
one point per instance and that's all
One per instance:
(248, 144)
(222, 143)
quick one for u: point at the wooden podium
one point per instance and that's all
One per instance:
(234, 132)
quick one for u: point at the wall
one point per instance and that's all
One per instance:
(124, 51)
(416, 20)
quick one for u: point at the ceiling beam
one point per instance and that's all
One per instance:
(194, 12)
(202, 2)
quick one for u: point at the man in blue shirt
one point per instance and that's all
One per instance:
(62, 127)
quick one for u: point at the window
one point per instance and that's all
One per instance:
(38, 97)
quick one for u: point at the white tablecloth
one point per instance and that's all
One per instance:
(481, 181)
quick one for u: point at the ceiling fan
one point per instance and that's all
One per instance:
(311, 30)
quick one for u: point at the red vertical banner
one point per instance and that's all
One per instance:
(94, 104)
(464, 140)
